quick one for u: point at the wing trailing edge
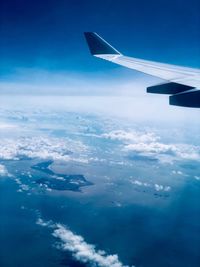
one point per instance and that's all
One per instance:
(189, 99)
(168, 88)
(182, 82)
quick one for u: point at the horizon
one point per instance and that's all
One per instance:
(42, 43)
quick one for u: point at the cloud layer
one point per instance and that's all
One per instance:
(81, 251)
(43, 148)
(149, 144)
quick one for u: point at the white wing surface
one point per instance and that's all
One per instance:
(181, 83)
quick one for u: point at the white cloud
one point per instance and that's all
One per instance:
(178, 172)
(157, 187)
(43, 148)
(167, 188)
(80, 249)
(3, 171)
(4, 125)
(22, 187)
(43, 223)
(133, 136)
(152, 147)
(162, 188)
(149, 144)
(197, 178)
(84, 252)
(136, 182)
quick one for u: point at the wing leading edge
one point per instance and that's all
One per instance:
(182, 82)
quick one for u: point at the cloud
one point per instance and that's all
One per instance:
(84, 252)
(139, 183)
(43, 223)
(152, 147)
(157, 187)
(133, 136)
(22, 187)
(149, 144)
(37, 81)
(3, 171)
(162, 188)
(178, 172)
(4, 125)
(197, 178)
(43, 148)
(178, 151)
(80, 249)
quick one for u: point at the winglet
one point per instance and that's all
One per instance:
(98, 46)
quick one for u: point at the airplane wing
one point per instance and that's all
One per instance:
(181, 83)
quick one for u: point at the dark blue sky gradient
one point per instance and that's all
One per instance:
(49, 34)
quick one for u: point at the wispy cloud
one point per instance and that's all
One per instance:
(80, 249)
(35, 81)
(150, 145)
(3, 171)
(5, 126)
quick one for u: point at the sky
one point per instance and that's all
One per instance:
(49, 34)
(43, 50)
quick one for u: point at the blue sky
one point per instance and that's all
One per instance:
(42, 41)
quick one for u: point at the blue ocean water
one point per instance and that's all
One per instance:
(143, 207)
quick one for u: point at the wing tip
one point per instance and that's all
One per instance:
(98, 46)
